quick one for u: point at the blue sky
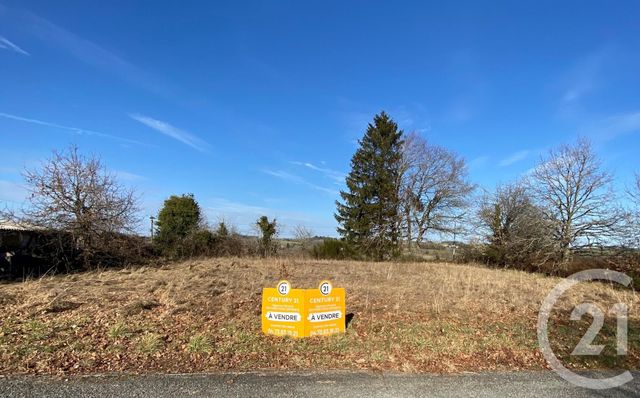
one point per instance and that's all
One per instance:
(256, 107)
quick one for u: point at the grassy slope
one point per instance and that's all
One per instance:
(205, 316)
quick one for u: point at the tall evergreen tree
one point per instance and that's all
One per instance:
(369, 211)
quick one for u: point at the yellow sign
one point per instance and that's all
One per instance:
(325, 310)
(303, 312)
(283, 310)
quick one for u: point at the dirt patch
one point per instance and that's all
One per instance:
(139, 306)
(62, 306)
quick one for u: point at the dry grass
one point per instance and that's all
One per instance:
(205, 316)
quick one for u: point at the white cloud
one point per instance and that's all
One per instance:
(243, 216)
(127, 176)
(612, 127)
(336, 176)
(8, 170)
(227, 206)
(514, 158)
(459, 112)
(584, 77)
(357, 116)
(8, 45)
(75, 130)
(283, 175)
(12, 192)
(89, 52)
(171, 131)
(478, 162)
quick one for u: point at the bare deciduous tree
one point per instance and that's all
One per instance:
(302, 233)
(517, 233)
(634, 193)
(576, 197)
(76, 194)
(304, 236)
(634, 217)
(433, 189)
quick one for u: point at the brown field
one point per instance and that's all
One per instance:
(204, 315)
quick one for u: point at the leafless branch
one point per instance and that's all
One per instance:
(576, 197)
(434, 189)
(76, 194)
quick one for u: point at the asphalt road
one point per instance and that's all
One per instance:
(316, 384)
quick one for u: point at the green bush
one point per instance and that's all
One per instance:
(231, 245)
(179, 231)
(200, 242)
(331, 248)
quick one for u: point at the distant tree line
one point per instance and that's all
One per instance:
(402, 189)
(183, 232)
(80, 217)
(401, 192)
(565, 208)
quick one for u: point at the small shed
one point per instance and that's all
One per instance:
(17, 242)
(15, 236)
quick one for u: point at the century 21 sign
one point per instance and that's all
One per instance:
(303, 312)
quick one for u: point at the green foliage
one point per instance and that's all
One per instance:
(179, 216)
(496, 251)
(118, 330)
(181, 232)
(178, 221)
(149, 343)
(267, 231)
(334, 249)
(199, 344)
(199, 242)
(369, 211)
(222, 231)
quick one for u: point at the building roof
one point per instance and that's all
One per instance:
(6, 225)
